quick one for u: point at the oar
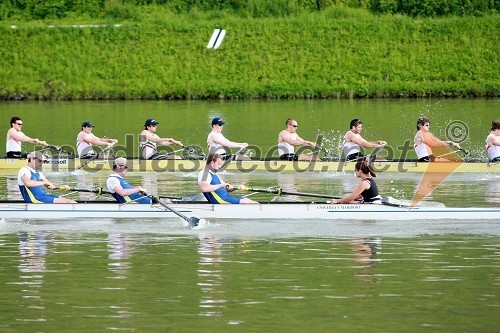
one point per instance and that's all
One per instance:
(100, 191)
(279, 191)
(232, 157)
(194, 151)
(459, 150)
(94, 157)
(192, 221)
(329, 155)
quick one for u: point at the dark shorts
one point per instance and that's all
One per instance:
(289, 157)
(87, 156)
(424, 159)
(354, 156)
(16, 154)
(496, 159)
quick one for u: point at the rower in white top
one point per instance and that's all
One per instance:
(288, 139)
(148, 141)
(354, 142)
(86, 140)
(15, 137)
(217, 143)
(493, 142)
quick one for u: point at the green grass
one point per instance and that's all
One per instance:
(338, 53)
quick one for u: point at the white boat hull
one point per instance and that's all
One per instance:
(12, 166)
(280, 211)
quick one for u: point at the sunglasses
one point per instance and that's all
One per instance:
(20, 124)
(294, 126)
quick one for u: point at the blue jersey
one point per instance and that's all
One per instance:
(33, 194)
(133, 198)
(219, 196)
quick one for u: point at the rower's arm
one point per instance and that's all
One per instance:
(91, 138)
(170, 141)
(207, 187)
(226, 143)
(287, 137)
(496, 140)
(26, 178)
(19, 136)
(354, 196)
(363, 143)
(118, 189)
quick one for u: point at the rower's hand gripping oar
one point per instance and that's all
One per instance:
(100, 191)
(278, 191)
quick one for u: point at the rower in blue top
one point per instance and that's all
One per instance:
(122, 191)
(214, 188)
(31, 182)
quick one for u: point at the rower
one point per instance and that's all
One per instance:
(148, 141)
(15, 137)
(31, 182)
(424, 141)
(122, 191)
(216, 141)
(366, 191)
(354, 142)
(214, 188)
(86, 139)
(493, 142)
(288, 139)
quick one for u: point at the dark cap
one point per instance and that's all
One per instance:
(217, 121)
(87, 123)
(150, 122)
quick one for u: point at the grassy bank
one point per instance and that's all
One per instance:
(339, 53)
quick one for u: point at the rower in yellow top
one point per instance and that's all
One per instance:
(86, 139)
(15, 137)
(31, 182)
(148, 141)
(121, 190)
(215, 190)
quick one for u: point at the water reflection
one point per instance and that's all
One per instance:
(12, 187)
(493, 191)
(33, 248)
(365, 255)
(120, 248)
(212, 301)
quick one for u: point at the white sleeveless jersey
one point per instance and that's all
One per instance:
(148, 148)
(420, 146)
(83, 147)
(350, 147)
(13, 145)
(493, 150)
(213, 147)
(285, 147)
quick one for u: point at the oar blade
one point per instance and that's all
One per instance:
(193, 221)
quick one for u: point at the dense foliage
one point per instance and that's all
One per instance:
(336, 52)
(123, 9)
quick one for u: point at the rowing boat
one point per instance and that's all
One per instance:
(272, 210)
(11, 166)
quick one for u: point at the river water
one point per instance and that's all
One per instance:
(247, 276)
